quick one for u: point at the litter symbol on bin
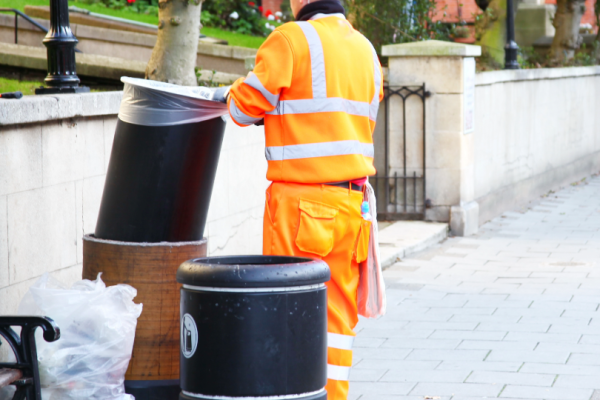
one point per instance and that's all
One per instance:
(189, 336)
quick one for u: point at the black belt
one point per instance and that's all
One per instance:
(345, 185)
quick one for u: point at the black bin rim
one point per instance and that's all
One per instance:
(253, 272)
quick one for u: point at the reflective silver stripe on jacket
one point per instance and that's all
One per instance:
(317, 60)
(331, 104)
(338, 373)
(253, 81)
(374, 107)
(239, 115)
(320, 15)
(337, 341)
(325, 149)
(320, 102)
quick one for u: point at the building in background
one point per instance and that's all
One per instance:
(271, 5)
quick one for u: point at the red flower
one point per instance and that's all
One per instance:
(130, 1)
(269, 12)
(251, 3)
(260, 8)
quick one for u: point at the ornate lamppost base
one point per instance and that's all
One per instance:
(60, 44)
(62, 90)
(511, 53)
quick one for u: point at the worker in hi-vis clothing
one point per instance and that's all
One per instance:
(317, 84)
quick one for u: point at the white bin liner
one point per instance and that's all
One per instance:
(152, 103)
(97, 325)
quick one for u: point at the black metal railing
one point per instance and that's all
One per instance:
(402, 196)
(25, 17)
(28, 19)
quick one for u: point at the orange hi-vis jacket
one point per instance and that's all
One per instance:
(318, 85)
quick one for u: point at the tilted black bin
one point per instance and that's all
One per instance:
(163, 164)
(253, 326)
(158, 188)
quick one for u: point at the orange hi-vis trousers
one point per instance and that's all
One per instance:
(325, 222)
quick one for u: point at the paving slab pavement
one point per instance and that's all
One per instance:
(512, 312)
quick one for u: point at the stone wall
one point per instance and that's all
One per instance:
(54, 152)
(535, 130)
(494, 140)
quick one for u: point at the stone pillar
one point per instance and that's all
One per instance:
(448, 71)
(534, 21)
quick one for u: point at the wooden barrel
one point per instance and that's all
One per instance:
(151, 269)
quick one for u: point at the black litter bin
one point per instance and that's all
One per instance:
(253, 327)
(163, 164)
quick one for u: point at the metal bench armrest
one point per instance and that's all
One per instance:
(23, 345)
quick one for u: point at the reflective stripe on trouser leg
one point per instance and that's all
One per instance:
(338, 364)
(338, 341)
(338, 373)
(280, 232)
(339, 356)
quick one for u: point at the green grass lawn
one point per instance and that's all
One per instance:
(234, 39)
(13, 85)
(27, 87)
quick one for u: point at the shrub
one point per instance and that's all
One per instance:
(238, 16)
(286, 11)
(529, 58)
(397, 21)
(235, 15)
(149, 7)
(462, 32)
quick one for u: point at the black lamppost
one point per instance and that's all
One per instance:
(511, 49)
(60, 43)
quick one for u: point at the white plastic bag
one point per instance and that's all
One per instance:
(97, 325)
(371, 287)
(153, 103)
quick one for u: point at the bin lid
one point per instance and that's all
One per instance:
(153, 103)
(253, 272)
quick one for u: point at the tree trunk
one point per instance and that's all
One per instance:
(491, 34)
(174, 56)
(567, 38)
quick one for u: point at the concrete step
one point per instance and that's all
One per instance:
(16, 55)
(402, 238)
(127, 45)
(91, 65)
(84, 17)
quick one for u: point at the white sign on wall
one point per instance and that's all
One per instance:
(469, 94)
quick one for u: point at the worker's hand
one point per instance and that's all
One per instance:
(221, 94)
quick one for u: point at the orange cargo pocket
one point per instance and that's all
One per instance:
(316, 230)
(362, 243)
